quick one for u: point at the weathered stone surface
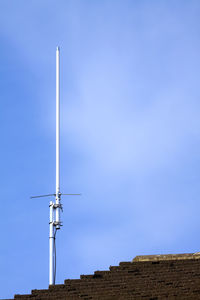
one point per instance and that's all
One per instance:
(159, 257)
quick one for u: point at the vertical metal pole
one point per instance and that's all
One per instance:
(51, 245)
(55, 224)
(58, 137)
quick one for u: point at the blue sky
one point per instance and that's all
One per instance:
(130, 134)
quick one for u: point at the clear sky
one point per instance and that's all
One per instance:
(130, 134)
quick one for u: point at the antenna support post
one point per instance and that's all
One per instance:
(51, 244)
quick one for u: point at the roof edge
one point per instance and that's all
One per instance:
(160, 257)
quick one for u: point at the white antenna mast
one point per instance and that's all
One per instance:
(55, 225)
(58, 137)
(55, 207)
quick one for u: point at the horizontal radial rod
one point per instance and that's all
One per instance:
(49, 195)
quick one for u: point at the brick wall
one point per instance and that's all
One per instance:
(146, 277)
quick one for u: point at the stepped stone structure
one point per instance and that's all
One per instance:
(152, 277)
